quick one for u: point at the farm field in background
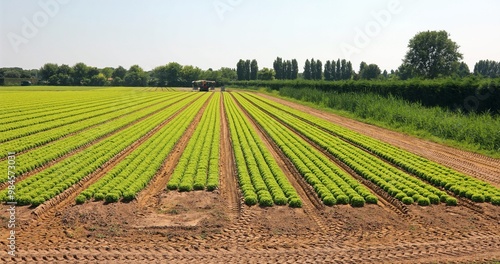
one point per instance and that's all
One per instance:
(243, 175)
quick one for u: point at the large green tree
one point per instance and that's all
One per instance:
(107, 71)
(487, 68)
(119, 72)
(136, 76)
(159, 76)
(369, 72)
(190, 73)
(80, 74)
(319, 70)
(173, 70)
(240, 70)
(307, 70)
(338, 71)
(278, 68)
(247, 70)
(313, 69)
(328, 70)
(463, 70)
(227, 75)
(266, 74)
(295, 69)
(254, 69)
(432, 54)
(47, 70)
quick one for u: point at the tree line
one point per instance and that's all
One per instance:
(171, 74)
(430, 55)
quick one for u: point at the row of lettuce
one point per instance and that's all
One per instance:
(261, 179)
(64, 174)
(198, 167)
(331, 183)
(40, 148)
(134, 172)
(60, 122)
(405, 176)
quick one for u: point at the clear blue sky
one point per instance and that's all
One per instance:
(217, 33)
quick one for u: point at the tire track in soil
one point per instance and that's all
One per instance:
(229, 186)
(160, 180)
(470, 163)
(456, 250)
(311, 204)
(81, 148)
(45, 211)
(234, 236)
(393, 204)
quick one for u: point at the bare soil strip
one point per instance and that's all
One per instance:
(473, 164)
(445, 250)
(229, 186)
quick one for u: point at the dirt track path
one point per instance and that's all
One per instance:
(473, 164)
(440, 250)
(228, 182)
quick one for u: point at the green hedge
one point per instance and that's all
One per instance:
(468, 94)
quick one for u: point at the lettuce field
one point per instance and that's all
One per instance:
(235, 174)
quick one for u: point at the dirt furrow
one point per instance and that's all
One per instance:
(229, 186)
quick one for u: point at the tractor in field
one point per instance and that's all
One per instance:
(203, 85)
